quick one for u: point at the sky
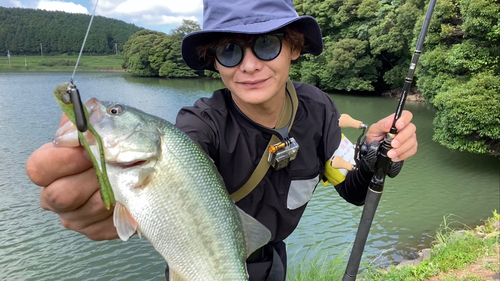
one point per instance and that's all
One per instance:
(159, 15)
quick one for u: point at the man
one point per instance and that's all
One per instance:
(251, 44)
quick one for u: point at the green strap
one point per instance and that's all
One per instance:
(264, 165)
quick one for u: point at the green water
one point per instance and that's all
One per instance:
(34, 246)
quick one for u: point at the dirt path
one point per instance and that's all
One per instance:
(484, 269)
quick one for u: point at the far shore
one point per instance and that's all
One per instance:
(62, 63)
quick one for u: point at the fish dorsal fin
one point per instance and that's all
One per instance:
(175, 276)
(256, 234)
(125, 224)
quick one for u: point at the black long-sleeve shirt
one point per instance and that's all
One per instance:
(236, 147)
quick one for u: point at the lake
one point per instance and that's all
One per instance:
(435, 183)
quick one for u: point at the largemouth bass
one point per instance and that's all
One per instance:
(169, 190)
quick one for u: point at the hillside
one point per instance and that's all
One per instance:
(23, 30)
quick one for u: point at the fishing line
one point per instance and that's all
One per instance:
(72, 91)
(85, 39)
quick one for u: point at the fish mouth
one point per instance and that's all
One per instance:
(131, 164)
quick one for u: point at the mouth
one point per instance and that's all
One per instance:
(253, 83)
(128, 165)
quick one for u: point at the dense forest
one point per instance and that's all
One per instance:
(30, 32)
(368, 48)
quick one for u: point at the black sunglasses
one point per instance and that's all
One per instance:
(265, 47)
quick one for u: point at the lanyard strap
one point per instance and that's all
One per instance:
(285, 119)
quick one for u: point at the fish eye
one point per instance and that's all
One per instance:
(115, 109)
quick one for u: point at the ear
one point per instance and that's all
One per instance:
(295, 54)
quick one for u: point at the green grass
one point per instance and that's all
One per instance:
(61, 63)
(452, 250)
(320, 268)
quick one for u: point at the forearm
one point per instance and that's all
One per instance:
(353, 189)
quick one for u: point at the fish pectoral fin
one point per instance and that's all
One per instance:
(125, 224)
(176, 276)
(256, 234)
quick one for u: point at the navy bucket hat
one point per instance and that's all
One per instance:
(248, 17)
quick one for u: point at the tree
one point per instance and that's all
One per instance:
(349, 66)
(460, 75)
(170, 53)
(137, 51)
(468, 116)
(150, 53)
(23, 30)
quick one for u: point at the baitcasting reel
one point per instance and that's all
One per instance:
(368, 153)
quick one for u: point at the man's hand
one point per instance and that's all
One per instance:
(404, 144)
(69, 188)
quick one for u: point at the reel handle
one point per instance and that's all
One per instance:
(346, 121)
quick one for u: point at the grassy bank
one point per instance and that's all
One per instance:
(456, 255)
(61, 63)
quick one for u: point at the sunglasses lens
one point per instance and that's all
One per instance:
(267, 47)
(229, 55)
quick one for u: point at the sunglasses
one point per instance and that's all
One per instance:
(264, 47)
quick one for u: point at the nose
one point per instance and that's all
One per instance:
(250, 62)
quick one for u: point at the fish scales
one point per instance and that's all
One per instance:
(174, 195)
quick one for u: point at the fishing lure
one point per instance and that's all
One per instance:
(67, 96)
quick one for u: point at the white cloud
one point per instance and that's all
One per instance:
(161, 15)
(169, 7)
(68, 7)
(157, 20)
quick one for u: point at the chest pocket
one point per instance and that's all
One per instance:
(300, 192)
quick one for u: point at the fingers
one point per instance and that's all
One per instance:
(49, 163)
(70, 192)
(91, 219)
(404, 143)
(77, 201)
(404, 120)
(101, 230)
(69, 187)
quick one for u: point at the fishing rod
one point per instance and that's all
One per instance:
(74, 94)
(375, 155)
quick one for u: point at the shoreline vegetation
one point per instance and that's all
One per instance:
(113, 63)
(62, 63)
(456, 254)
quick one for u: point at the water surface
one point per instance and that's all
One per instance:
(435, 183)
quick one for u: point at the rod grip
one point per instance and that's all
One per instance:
(371, 204)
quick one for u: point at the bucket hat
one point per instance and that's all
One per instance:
(248, 17)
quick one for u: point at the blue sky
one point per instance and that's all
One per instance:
(160, 15)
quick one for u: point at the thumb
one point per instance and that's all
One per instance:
(378, 130)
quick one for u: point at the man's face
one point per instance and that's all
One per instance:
(257, 82)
